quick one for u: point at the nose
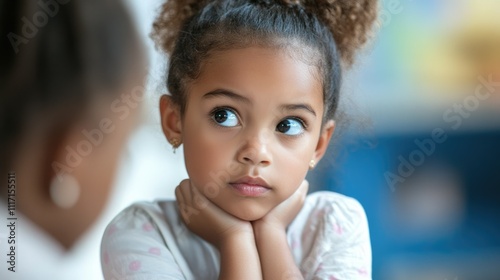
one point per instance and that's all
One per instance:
(255, 151)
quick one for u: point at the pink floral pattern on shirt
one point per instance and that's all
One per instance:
(329, 240)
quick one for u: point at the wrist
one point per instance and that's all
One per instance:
(263, 229)
(239, 258)
(233, 237)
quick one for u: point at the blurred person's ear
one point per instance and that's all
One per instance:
(88, 154)
(171, 119)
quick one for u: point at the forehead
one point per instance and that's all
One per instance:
(262, 71)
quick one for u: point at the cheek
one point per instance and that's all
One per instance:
(294, 171)
(203, 154)
(292, 165)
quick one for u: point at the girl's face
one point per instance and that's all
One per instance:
(251, 127)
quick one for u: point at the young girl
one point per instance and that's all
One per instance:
(254, 87)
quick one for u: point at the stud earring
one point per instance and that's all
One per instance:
(175, 143)
(64, 191)
(312, 164)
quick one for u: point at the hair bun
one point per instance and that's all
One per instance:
(350, 21)
(173, 14)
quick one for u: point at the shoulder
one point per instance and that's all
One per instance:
(336, 215)
(332, 218)
(134, 244)
(139, 214)
(333, 199)
(142, 222)
(332, 231)
(331, 204)
(335, 236)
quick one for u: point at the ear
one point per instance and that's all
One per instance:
(324, 140)
(171, 122)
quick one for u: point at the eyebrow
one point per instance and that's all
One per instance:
(301, 106)
(229, 94)
(226, 93)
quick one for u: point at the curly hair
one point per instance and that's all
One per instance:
(327, 32)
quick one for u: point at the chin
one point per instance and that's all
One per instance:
(249, 214)
(250, 218)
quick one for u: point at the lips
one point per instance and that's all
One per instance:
(250, 186)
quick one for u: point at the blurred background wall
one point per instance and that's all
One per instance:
(421, 151)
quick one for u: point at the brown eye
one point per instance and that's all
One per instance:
(290, 126)
(225, 117)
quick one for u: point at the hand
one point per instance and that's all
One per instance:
(205, 219)
(283, 214)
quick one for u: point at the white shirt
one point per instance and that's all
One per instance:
(37, 254)
(329, 239)
(40, 256)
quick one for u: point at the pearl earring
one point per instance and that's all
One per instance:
(312, 164)
(64, 190)
(175, 143)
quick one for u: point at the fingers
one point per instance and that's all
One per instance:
(179, 193)
(304, 188)
(179, 196)
(184, 200)
(189, 196)
(199, 200)
(299, 196)
(305, 184)
(188, 189)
